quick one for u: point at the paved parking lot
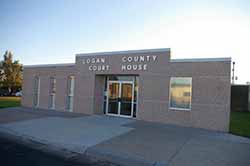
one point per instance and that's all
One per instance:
(127, 141)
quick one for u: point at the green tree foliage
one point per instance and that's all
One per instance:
(11, 73)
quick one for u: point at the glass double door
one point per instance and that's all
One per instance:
(120, 98)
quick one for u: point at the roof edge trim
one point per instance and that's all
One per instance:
(50, 65)
(125, 52)
(225, 59)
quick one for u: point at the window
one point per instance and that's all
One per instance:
(180, 93)
(52, 93)
(36, 91)
(71, 86)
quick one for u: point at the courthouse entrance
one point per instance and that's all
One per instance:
(120, 98)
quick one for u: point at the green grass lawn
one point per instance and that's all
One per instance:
(240, 123)
(10, 102)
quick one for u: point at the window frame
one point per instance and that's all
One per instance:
(36, 91)
(52, 86)
(52, 93)
(70, 88)
(191, 90)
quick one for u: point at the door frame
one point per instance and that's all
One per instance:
(119, 103)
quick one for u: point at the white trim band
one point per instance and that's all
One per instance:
(51, 65)
(125, 52)
(227, 59)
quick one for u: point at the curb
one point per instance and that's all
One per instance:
(118, 158)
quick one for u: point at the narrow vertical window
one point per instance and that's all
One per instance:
(180, 93)
(70, 96)
(52, 93)
(36, 91)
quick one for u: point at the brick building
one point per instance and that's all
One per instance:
(142, 84)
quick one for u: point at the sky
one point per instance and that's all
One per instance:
(53, 31)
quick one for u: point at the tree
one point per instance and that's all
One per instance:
(11, 74)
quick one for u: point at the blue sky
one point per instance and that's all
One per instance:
(53, 31)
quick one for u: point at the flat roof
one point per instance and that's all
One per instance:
(125, 52)
(202, 60)
(50, 65)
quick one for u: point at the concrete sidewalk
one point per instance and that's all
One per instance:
(14, 114)
(126, 141)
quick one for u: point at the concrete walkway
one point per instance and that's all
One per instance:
(126, 141)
